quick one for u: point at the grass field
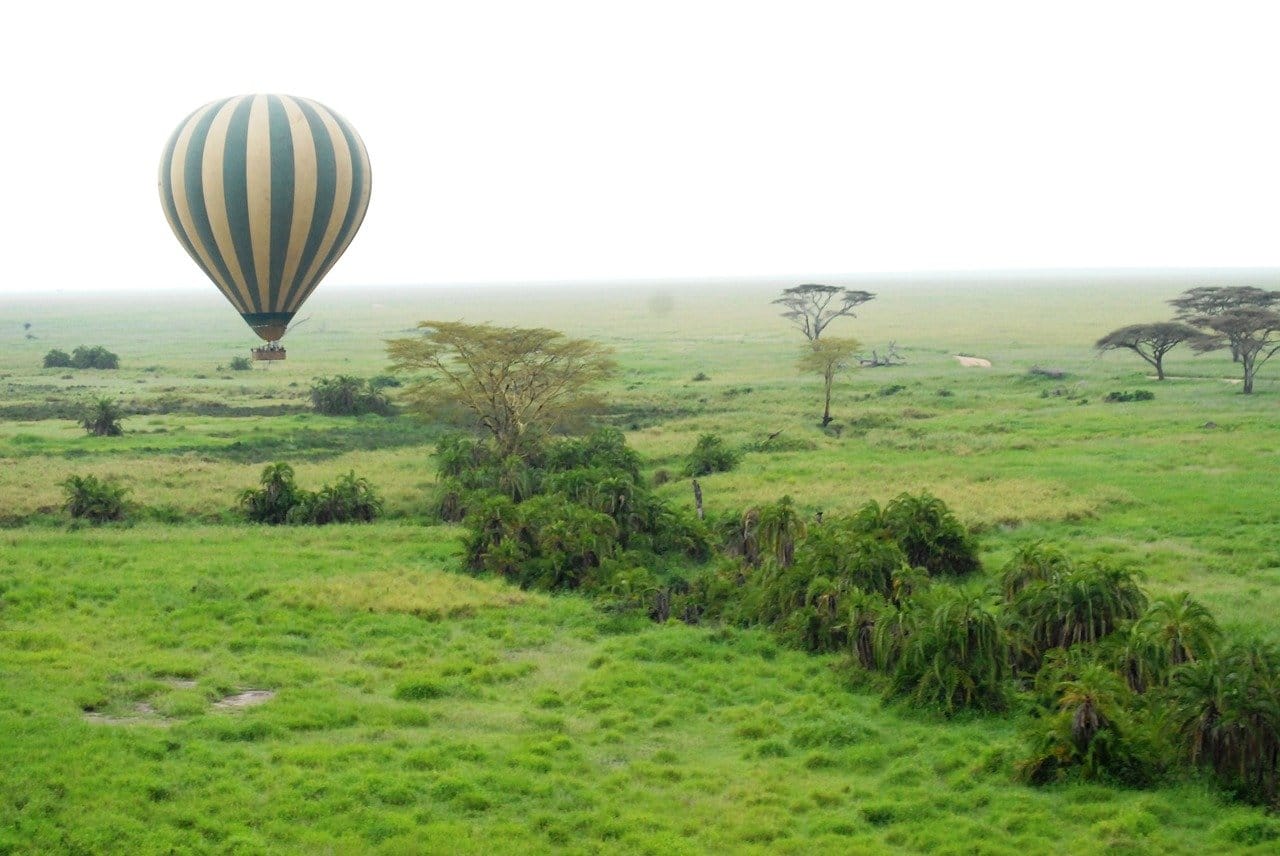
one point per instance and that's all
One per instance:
(415, 709)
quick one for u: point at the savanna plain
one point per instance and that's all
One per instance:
(188, 682)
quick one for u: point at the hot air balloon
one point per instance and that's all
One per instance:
(265, 193)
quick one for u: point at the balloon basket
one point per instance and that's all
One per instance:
(276, 353)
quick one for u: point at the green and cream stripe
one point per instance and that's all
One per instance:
(265, 192)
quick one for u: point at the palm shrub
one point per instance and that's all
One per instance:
(840, 549)
(953, 652)
(1077, 605)
(778, 527)
(1174, 630)
(605, 448)
(569, 541)
(93, 499)
(350, 499)
(862, 614)
(1182, 626)
(274, 497)
(102, 418)
(926, 530)
(1227, 717)
(344, 395)
(1037, 562)
(809, 600)
(1091, 728)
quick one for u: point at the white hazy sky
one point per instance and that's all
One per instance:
(561, 140)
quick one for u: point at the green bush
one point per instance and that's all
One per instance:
(952, 652)
(240, 364)
(1074, 605)
(275, 496)
(711, 455)
(93, 499)
(1227, 718)
(349, 500)
(344, 395)
(1135, 395)
(102, 418)
(553, 517)
(1090, 727)
(279, 500)
(57, 359)
(927, 531)
(95, 357)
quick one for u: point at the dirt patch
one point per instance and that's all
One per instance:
(247, 698)
(143, 714)
(973, 362)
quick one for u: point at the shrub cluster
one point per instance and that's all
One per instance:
(344, 395)
(1121, 687)
(864, 584)
(711, 455)
(572, 514)
(279, 500)
(83, 357)
(1135, 395)
(95, 500)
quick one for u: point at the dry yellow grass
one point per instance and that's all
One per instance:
(429, 594)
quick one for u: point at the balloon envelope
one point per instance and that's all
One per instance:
(265, 192)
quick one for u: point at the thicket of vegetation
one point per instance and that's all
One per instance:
(569, 514)
(83, 357)
(344, 395)
(278, 500)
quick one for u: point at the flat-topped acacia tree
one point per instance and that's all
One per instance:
(1253, 334)
(811, 307)
(1151, 341)
(517, 382)
(1196, 305)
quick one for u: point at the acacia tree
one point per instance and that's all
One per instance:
(1150, 341)
(1251, 333)
(829, 357)
(810, 307)
(1208, 301)
(515, 381)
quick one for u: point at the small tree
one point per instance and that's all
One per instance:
(829, 357)
(1252, 334)
(102, 418)
(240, 364)
(1150, 341)
(516, 382)
(810, 307)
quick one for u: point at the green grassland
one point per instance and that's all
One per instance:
(416, 709)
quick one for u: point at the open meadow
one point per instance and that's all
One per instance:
(186, 681)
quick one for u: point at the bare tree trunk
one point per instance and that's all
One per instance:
(697, 497)
(826, 405)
